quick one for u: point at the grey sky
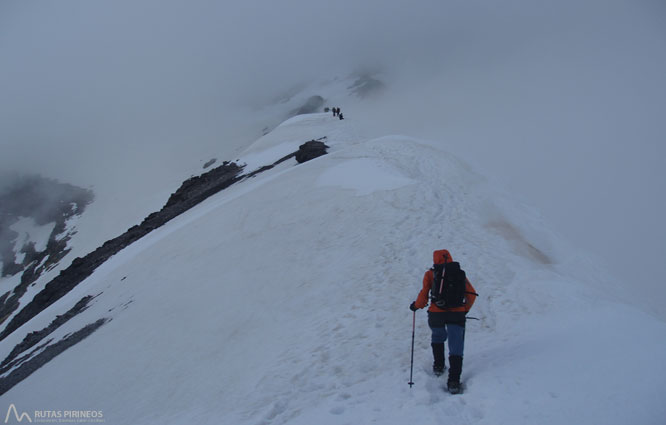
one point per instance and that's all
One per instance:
(564, 102)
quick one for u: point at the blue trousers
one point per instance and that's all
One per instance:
(455, 335)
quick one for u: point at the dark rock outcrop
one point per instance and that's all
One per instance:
(48, 353)
(196, 189)
(33, 338)
(310, 150)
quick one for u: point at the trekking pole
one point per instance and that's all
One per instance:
(411, 367)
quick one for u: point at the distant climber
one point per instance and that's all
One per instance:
(340, 115)
(335, 111)
(451, 297)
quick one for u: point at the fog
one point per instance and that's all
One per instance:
(563, 103)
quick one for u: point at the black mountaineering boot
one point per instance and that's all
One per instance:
(455, 370)
(438, 354)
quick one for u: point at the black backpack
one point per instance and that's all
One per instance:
(448, 285)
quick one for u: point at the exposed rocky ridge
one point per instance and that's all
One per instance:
(33, 338)
(190, 193)
(310, 150)
(48, 353)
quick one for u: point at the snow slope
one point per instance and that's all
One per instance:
(127, 190)
(29, 231)
(284, 299)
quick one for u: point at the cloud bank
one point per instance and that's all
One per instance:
(561, 101)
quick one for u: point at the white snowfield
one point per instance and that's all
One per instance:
(284, 300)
(29, 231)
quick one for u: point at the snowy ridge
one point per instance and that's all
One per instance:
(283, 299)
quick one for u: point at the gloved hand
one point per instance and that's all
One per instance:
(412, 306)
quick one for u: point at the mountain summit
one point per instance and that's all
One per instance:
(283, 298)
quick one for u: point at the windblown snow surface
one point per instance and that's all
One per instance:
(284, 300)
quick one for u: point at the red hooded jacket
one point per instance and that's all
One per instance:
(440, 257)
